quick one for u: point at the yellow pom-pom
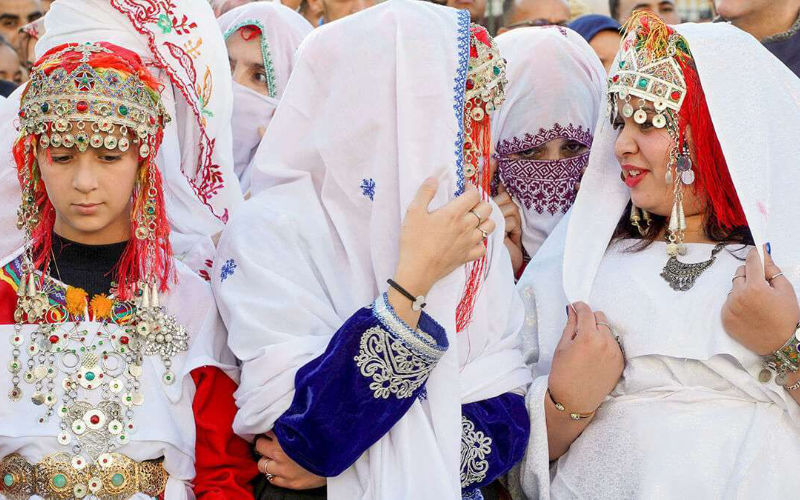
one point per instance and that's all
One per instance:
(101, 306)
(76, 300)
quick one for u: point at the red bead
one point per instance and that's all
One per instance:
(82, 106)
(675, 95)
(124, 340)
(53, 339)
(94, 419)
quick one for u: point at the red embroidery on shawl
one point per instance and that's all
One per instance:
(528, 141)
(143, 14)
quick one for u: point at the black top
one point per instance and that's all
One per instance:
(90, 267)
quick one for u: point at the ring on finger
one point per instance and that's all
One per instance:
(603, 323)
(484, 233)
(737, 276)
(774, 276)
(476, 214)
(269, 476)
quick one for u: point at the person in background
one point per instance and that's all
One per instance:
(6, 88)
(775, 22)
(16, 13)
(222, 6)
(536, 13)
(331, 10)
(602, 33)
(262, 38)
(665, 9)
(10, 67)
(26, 42)
(476, 8)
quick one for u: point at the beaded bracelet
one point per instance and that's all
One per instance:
(573, 416)
(784, 360)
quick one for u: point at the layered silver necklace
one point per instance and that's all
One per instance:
(682, 276)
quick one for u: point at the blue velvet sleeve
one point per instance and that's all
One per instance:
(346, 399)
(494, 434)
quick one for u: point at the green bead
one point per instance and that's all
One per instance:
(8, 480)
(90, 376)
(59, 480)
(496, 70)
(117, 479)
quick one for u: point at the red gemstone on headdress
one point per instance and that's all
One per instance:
(615, 78)
(470, 84)
(94, 419)
(675, 95)
(124, 340)
(22, 113)
(152, 120)
(82, 106)
(53, 339)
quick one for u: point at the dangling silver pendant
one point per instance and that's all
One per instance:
(627, 110)
(668, 177)
(682, 276)
(687, 177)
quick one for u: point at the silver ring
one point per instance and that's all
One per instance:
(269, 476)
(484, 233)
(480, 219)
(772, 278)
(603, 323)
(738, 276)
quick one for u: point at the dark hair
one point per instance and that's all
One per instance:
(613, 8)
(711, 226)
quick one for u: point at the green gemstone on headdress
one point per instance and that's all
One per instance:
(123, 110)
(151, 209)
(496, 70)
(622, 64)
(8, 480)
(59, 480)
(90, 376)
(117, 479)
(45, 107)
(642, 82)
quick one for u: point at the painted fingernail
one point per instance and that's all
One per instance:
(566, 309)
(769, 248)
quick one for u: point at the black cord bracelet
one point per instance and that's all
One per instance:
(417, 303)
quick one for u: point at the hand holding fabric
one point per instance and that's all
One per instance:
(587, 365)
(762, 310)
(513, 239)
(433, 244)
(287, 473)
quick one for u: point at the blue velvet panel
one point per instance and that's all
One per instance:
(349, 397)
(504, 420)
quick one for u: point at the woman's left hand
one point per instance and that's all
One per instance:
(762, 311)
(513, 239)
(285, 471)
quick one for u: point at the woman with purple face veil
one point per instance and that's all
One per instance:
(262, 38)
(645, 390)
(543, 131)
(348, 381)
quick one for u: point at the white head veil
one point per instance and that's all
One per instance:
(331, 184)
(556, 87)
(181, 43)
(281, 31)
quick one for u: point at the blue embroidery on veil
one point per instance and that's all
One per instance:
(368, 188)
(228, 268)
(458, 89)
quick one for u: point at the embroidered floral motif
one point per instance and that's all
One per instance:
(475, 447)
(472, 495)
(546, 186)
(368, 188)
(458, 89)
(392, 366)
(228, 268)
(528, 141)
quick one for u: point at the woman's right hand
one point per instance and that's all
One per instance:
(432, 244)
(588, 361)
(587, 364)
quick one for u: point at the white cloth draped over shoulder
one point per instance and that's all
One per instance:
(556, 87)
(689, 418)
(282, 30)
(165, 423)
(320, 237)
(181, 44)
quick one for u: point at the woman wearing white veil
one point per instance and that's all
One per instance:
(180, 41)
(334, 370)
(706, 147)
(262, 38)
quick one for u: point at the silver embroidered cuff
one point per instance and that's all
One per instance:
(419, 342)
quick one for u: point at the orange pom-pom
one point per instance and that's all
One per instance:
(101, 306)
(76, 300)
